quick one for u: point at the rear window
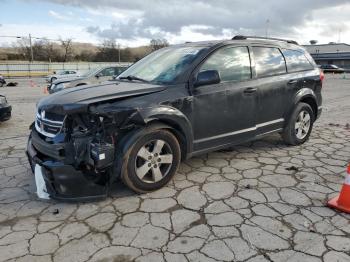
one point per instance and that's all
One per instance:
(296, 60)
(268, 61)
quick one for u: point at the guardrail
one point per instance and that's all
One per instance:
(25, 69)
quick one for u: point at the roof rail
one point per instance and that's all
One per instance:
(243, 37)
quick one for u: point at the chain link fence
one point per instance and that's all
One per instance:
(37, 69)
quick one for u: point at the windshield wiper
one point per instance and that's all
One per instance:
(131, 78)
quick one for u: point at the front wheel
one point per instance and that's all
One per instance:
(151, 161)
(299, 125)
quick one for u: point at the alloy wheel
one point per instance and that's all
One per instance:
(153, 161)
(302, 125)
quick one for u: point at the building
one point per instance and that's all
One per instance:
(332, 53)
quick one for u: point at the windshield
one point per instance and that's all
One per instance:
(164, 65)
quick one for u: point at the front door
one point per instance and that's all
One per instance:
(224, 113)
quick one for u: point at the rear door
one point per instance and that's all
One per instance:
(270, 71)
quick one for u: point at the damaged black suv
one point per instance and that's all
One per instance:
(175, 103)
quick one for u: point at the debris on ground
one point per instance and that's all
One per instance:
(12, 84)
(55, 212)
(292, 168)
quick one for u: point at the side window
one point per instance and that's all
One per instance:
(296, 60)
(268, 61)
(232, 63)
(116, 71)
(107, 71)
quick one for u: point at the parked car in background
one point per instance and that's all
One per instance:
(5, 109)
(177, 102)
(94, 76)
(332, 69)
(2, 81)
(61, 75)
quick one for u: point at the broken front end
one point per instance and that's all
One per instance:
(74, 154)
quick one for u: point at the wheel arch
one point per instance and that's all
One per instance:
(177, 123)
(81, 84)
(304, 95)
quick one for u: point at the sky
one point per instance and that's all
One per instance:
(136, 22)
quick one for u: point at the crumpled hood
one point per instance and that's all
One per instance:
(77, 99)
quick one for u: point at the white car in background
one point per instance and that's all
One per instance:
(61, 75)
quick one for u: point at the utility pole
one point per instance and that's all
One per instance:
(119, 53)
(267, 28)
(31, 48)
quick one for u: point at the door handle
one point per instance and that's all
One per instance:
(250, 90)
(293, 81)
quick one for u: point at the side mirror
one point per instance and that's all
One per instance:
(98, 75)
(208, 77)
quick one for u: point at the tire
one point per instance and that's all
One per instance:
(140, 168)
(299, 127)
(53, 79)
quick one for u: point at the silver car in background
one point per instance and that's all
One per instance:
(58, 75)
(92, 77)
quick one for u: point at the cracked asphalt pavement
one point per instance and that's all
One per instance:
(261, 201)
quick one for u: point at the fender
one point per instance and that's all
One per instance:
(172, 117)
(127, 141)
(303, 93)
(300, 95)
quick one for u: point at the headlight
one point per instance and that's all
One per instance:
(3, 100)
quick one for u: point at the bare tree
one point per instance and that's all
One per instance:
(23, 47)
(49, 50)
(67, 46)
(158, 44)
(313, 42)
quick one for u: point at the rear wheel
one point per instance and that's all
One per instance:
(299, 125)
(151, 161)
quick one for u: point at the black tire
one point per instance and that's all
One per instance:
(131, 160)
(290, 134)
(53, 79)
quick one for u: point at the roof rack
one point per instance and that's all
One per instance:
(243, 37)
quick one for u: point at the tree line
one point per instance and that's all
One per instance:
(65, 50)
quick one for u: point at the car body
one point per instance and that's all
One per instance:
(2, 81)
(92, 77)
(332, 69)
(5, 109)
(177, 102)
(62, 74)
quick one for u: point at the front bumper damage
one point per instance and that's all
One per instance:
(63, 179)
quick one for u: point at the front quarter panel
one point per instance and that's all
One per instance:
(174, 118)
